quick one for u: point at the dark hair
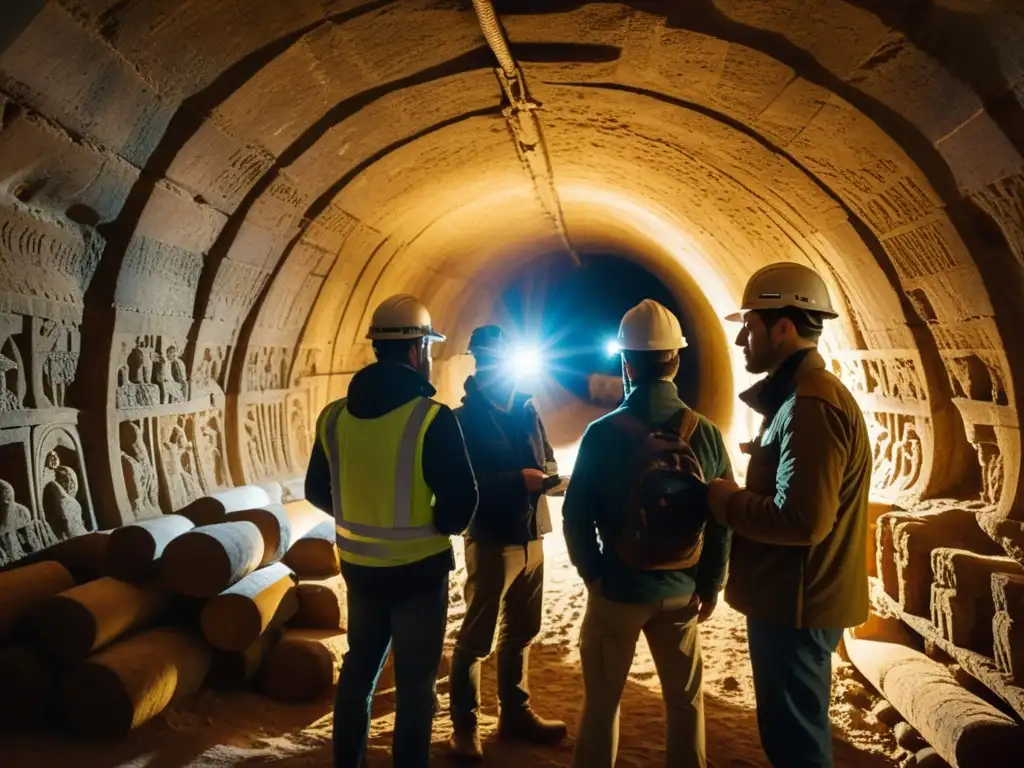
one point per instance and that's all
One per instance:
(808, 323)
(395, 350)
(653, 365)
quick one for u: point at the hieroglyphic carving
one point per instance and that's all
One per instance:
(61, 480)
(159, 278)
(210, 374)
(139, 467)
(179, 470)
(266, 368)
(892, 393)
(12, 366)
(152, 374)
(56, 347)
(208, 439)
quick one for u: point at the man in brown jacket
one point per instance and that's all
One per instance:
(797, 569)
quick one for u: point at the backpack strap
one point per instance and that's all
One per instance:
(688, 424)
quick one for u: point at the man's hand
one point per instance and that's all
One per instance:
(719, 493)
(534, 480)
(707, 607)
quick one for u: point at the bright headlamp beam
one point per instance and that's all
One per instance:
(613, 348)
(526, 362)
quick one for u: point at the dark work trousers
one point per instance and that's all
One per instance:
(506, 583)
(416, 627)
(793, 686)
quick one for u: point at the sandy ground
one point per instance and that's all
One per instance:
(217, 730)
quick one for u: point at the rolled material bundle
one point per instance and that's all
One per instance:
(84, 619)
(304, 665)
(133, 681)
(315, 555)
(232, 669)
(212, 509)
(322, 604)
(29, 685)
(234, 619)
(281, 525)
(207, 560)
(274, 491)
(135, 550)
(22, 590)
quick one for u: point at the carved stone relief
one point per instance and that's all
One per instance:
(211, 452)
(139, 467)
(152, 373)
(974, 378)
(13, 382)
(180, 482)
(23, 530)
(210, 370)
(56, 347)
(990, 458)
(300, 435)
(62, 481)
(266, 368)
(308, 364)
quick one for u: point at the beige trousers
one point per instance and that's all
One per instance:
(607, 645)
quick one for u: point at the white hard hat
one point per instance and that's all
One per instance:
(649, 326)
(401, 317)
(785, 284)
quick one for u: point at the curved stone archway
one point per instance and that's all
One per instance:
(200, 202)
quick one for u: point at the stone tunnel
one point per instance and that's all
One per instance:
(201, 203)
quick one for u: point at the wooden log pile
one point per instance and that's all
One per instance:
(104, 632)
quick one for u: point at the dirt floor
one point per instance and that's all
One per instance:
(243, 729)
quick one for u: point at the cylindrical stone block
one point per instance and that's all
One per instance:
(232, 669)
(272, 520)
(84, 619)
(234, 619)
(133, 681)
(84, 556)
(963, 729)
(315, 555)
(322, 604)
(304, 665)
(22, 590)
(212, 509)
(207, 560)
(28, 680)
(274, 490)
(135, 550)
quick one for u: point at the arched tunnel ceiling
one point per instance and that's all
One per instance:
(242, 180)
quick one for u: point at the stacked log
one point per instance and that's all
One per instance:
(961, 728)
(88, 617)
(135, 550)
(167, 605)
(315, 556)
(1008, 625)
(962, 604)
(214, 508)
(303, 665)
(129, 683)
(25, 589)
(262, 601)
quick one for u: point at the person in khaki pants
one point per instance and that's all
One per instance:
(623, 601)
(512, 458)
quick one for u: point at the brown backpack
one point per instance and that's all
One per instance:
(666, 510)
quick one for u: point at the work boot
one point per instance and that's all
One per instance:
(526, 725)
(466, 746)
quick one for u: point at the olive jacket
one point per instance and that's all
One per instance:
(800, 525)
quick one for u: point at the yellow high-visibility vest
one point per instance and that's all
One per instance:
(383, 507)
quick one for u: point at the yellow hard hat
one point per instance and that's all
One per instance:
(650, 326)
(785, 284)
(402, 317)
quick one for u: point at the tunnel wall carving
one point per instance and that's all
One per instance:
(191, 236)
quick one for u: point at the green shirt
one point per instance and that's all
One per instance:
(597, 496)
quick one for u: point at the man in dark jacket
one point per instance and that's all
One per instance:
(504, 556)
(798, 568)
(665, 605)
(394, 516)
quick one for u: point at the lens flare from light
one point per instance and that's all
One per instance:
(527, 362)
(612, 348)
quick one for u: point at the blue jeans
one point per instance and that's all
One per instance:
(416, 626)
(793, 687)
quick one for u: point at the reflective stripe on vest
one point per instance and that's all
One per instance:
(396, 533)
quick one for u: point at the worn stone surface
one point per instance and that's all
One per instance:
(200, 203)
